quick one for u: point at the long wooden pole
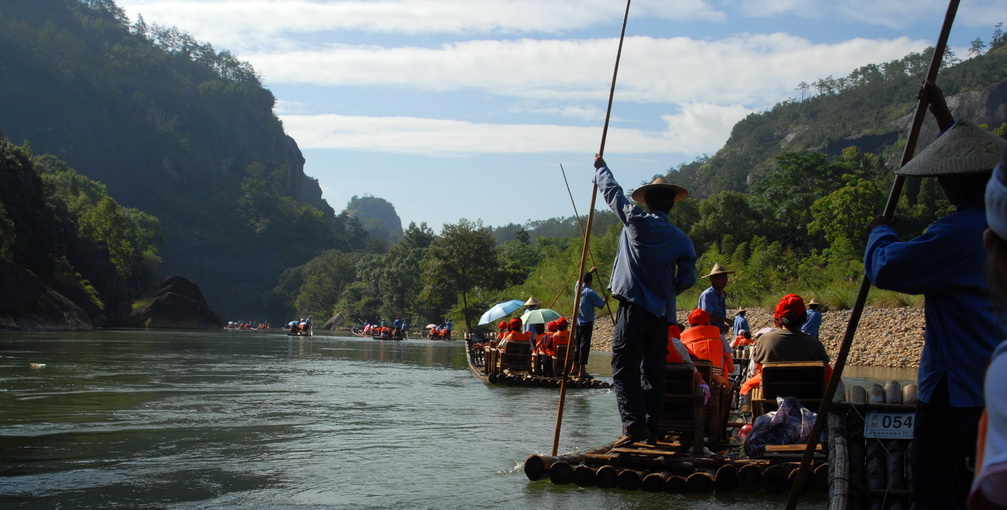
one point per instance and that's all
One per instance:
(587, 238)
(865, 284)
(601, 283)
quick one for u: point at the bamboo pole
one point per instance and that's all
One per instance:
(865, 284)
(587, 237)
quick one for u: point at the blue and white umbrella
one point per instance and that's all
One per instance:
(500, 310)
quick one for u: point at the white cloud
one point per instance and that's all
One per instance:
(698, 128)
(453, 138)
(411, 17)
(702, 127)
(749, 69)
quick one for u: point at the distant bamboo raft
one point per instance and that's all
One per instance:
(478, 361)
(870, 472)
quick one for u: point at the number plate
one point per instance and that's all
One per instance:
(889, 425)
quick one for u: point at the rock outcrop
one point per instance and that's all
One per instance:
(176, 304)
(28, 304)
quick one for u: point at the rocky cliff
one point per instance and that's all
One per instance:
(28, 304)
(176, 304)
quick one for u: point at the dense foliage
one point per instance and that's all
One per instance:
(67, 230)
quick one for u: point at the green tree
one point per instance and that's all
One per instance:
(324, 279)
(843, 214)
(457, 262)
(723, 214)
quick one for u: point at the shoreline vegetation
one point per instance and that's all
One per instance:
(885, 337)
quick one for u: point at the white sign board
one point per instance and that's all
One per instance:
(889, 425)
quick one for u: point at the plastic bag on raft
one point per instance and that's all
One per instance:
(791, 424)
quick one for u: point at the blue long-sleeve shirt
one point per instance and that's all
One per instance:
(813, 324)
(715, 304)
(740, 324)
(655, 261)
(947, 265)
(589, 300)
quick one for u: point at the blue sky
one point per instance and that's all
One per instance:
(454, 109)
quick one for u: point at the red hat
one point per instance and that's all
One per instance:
(502, 325)
(561, 322)
(791, 305)
(699, 317)
(552, 326)
(515, 323)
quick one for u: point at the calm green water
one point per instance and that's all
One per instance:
(243, 419)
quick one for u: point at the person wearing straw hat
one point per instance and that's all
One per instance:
(740, 322)
(814, 322)
(946, 265)
(530, 305)
(989, 489)
(654, 262)
(713, 300)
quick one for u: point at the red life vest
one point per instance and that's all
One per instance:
(704, 342)
(518, 336)
(673, 355)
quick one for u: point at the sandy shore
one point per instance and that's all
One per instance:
(886, 337)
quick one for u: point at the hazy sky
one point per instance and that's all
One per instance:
(455, 109)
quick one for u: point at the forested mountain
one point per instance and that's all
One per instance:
(870, 109)
(377, 216)
(171, 127)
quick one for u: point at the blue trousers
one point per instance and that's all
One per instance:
(638, 368)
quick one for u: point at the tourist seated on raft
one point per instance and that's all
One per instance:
(744, 339)
(515, 333)
(562, 336)
(544, 350)
(788, 343)
(704, 342)
(679, 354)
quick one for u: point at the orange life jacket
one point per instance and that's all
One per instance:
(704, 342)
(518, 336)
(543, 344)
(561, 338)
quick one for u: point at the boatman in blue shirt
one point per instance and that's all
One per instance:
(740, 323)
(713, 300)
(589, 300)
(814, 322)
(654, 262)
(947, 265)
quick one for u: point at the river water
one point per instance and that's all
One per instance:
(248, 419)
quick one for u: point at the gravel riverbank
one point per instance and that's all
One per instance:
(886, 337)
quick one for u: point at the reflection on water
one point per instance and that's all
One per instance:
(141, 419)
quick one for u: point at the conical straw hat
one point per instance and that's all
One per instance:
(718, 269)
(532, 301)
(962, 149)
(640, 193)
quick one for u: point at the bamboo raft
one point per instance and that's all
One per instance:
(507, 376)
(666, 468)
(855, 472)
(869, 472)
